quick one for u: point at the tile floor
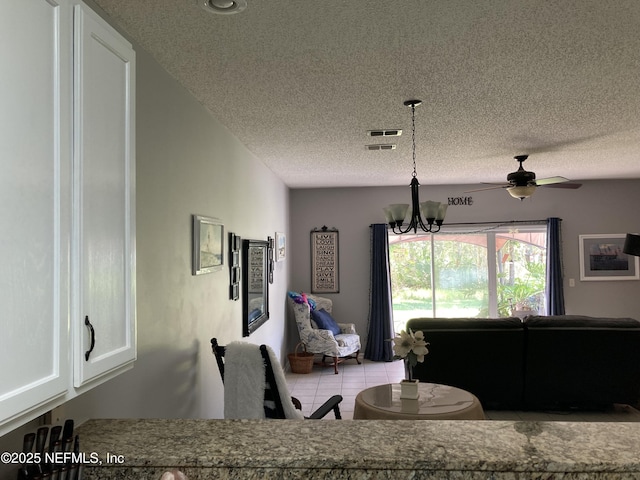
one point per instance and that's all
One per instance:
(314, 388)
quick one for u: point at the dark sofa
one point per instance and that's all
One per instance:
(555, 362)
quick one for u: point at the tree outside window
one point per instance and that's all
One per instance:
(448, 274)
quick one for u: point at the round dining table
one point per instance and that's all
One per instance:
(434, 402)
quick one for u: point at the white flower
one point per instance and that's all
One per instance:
(411, 346)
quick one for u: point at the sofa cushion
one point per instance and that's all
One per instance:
(325, 321)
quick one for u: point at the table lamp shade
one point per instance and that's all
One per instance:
(632, 245)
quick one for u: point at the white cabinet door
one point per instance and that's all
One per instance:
(104, 183)
(35, 206)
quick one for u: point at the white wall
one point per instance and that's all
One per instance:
(597, 207)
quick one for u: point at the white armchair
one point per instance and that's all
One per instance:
(341, 346)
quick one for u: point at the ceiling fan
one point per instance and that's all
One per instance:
(522, 184)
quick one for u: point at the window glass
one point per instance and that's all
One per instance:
(499, 272)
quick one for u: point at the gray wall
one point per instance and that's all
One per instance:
(597, 207)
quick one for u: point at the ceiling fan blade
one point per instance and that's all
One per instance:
(550, 180)
(488, 188)
(571, 185)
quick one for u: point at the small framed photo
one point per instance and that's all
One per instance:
(602, 258)
(234, 291)
(235, 275)
(281, 246)
(234, 266)
(208, 245)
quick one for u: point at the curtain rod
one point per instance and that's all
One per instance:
(505, 222)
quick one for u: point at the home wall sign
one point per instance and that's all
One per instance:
(460, 201)
(324, 261)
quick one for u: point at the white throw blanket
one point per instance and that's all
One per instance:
(244, 381)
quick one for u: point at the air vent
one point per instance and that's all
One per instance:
(384, 146)
(385, 133)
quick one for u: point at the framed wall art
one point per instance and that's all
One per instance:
(324, 261)
(208, 245)
(281, 246)
(270, 258)
(602, 258)
(234, 266)
(255, 287)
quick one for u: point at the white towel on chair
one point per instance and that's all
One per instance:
(244, 381)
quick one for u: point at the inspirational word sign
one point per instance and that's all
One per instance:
(324, 261)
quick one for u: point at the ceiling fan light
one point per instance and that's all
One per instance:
(521, 192)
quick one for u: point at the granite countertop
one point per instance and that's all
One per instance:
(367, 449)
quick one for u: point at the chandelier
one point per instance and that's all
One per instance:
(433, 212)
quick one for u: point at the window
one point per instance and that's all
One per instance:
(494, 273)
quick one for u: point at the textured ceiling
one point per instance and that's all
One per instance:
(301, 82)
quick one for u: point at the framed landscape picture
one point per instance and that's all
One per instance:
(281, 246)
(602, 258)
(208, 245)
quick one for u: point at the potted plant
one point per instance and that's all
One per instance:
(411, 347)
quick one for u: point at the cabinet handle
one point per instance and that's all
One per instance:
(93, 338)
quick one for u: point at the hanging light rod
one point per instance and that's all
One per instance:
(433, 212)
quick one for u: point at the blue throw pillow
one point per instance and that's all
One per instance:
(325, 321)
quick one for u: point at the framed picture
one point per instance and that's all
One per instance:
(234, 266)
(270, 260)
(324, 261)
(281, 246)
(208, 245)
(601, 258)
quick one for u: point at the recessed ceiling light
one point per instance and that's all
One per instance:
(223, 7)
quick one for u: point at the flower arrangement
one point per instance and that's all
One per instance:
(411, 347)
